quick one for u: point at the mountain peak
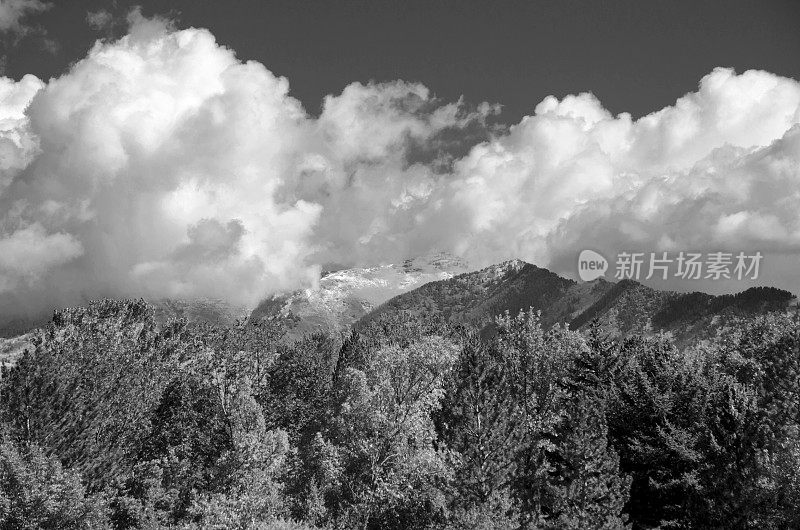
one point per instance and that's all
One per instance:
(512, 286)
(510, 265)
(346, 295)
(442, 261)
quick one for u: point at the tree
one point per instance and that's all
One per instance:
(299, 387)
(391, 468)
(524, 430)
(205, 429)
(36, 492)
(184, 454)
(85, 391)
(538, 362)
(685, 432)
(255, 464)
(757, 487)
(589, 491)
(482, 422)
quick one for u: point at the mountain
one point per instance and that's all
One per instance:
(204, 310)
(634, 307)
(477, 297)
(342, 297)
(442, 286)
(12, 348)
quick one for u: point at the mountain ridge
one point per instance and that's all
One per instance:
(478, 297)
(443, 286)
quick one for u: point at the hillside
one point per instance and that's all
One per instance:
(477, 297)
(208, 311)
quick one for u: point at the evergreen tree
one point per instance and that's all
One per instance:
(482, 421)
(36, 492)
(85, 391)
(589, 491)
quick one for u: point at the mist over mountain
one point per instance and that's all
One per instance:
(344, 296)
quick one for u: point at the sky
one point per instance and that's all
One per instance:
(196, 149)
(635, 56)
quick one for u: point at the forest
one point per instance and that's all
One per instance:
(112, 419)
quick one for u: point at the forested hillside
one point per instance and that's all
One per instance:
(478, 298)
(115, 420)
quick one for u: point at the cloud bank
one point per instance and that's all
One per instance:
(163, 165)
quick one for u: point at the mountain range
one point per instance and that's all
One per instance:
(443, 286)
(477, 297)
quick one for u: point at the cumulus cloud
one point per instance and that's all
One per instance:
(582, 177)
(28, 252)
(162, 165)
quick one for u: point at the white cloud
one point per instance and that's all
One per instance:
(17, 144)
(29, 252)
(162, 165)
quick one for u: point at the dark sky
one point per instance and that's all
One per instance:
(636, 56)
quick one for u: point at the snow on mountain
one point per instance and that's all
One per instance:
(12, 348)
(344, 296)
